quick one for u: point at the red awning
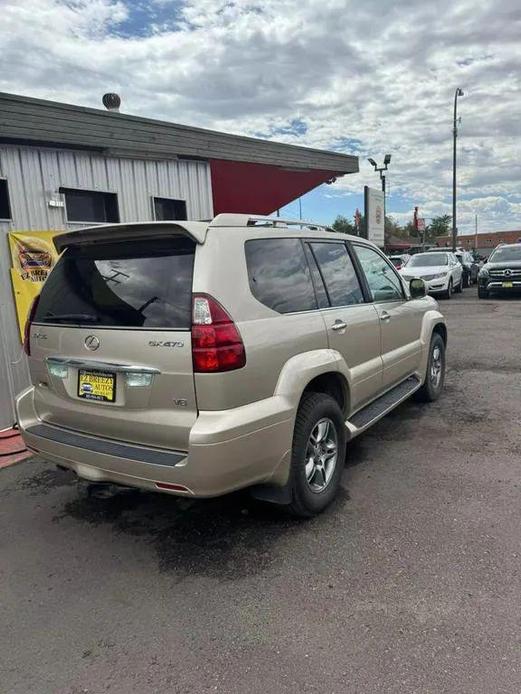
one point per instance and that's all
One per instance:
(259, 188)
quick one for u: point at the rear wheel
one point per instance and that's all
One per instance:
(318, 454)
(459, 288)
(435, 376)
(483, 293)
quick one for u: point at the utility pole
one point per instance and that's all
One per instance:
(458, 92)
(476, 233)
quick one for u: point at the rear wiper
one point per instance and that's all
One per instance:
(76, 317)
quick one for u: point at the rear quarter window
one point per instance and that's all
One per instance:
(279, 275)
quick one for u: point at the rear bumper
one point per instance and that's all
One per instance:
(227, 450)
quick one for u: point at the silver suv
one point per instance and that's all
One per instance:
(197, 358)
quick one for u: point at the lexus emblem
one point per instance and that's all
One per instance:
(92, 343)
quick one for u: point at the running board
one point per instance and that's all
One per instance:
(377, 409)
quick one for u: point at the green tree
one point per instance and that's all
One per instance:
(409, 230)
(343, 225)
(439, 226)
(392, 228)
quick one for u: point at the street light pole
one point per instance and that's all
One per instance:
(381, 169)
(458, 92)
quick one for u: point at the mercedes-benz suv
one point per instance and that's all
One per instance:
(197, 358)
(502, 271)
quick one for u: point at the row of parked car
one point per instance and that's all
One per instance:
(444, 272)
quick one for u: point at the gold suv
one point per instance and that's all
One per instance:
(197, 358)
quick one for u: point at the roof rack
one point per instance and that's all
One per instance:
(248, 220)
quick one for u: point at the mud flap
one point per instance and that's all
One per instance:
(272, 493)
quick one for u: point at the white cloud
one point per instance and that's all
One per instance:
(376, 76)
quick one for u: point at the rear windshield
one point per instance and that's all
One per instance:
(145, 284)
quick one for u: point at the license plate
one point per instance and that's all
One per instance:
(507, 285)
(97, 385)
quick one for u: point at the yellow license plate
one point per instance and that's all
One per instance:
(507, 285)
(97, 385)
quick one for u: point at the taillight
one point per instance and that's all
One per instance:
(216, 343)
(27, 329)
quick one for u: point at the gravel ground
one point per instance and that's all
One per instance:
(409, 583)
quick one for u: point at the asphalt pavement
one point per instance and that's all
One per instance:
(409, 583)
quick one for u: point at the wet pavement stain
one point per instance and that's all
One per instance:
(226, 538)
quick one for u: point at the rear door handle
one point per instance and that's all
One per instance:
(339, 325)
(384, 316)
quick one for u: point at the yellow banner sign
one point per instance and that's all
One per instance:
(33, 256)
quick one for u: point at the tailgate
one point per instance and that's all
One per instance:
(111, 342)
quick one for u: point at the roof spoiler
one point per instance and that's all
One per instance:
(137, 231)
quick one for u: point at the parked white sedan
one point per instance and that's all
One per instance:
(440, 270)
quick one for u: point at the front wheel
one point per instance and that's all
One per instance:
(435, 376)
(318, 454)
(482, 293)
(448, 292)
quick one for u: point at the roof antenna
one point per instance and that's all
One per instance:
(111, 101)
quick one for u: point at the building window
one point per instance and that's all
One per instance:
(90, 206)
(5, 207)
(168, 208)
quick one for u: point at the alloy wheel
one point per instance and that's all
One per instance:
(321, 455)
(436, 366)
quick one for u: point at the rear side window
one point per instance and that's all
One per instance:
(132, 285)
(279, 275)
(338, 273)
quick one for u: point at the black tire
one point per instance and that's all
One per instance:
(313, 408)
(448, 293)
(483, 293)
(431, 388)
(459, 288)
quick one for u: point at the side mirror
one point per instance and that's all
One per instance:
(417, 288)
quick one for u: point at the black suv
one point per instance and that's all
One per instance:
(502, 272)
(470, 267)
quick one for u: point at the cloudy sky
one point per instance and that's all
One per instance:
(363, 78)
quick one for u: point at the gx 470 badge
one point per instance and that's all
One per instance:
(156, 343)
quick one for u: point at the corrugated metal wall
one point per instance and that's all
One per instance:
(34, 174)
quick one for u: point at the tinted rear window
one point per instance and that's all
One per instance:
(338, 272)
(132, 285)
(279, 274)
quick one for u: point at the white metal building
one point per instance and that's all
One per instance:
(64, 166)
